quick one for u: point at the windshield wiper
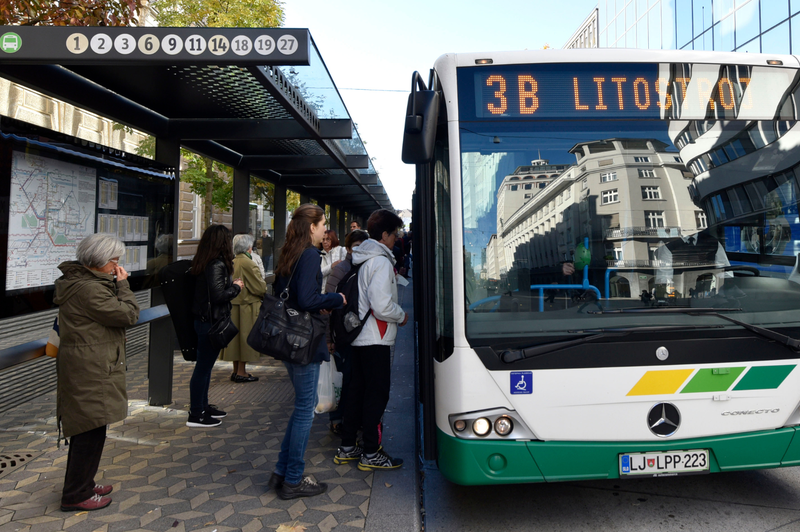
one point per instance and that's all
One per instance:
(513, 355)
(783, 339)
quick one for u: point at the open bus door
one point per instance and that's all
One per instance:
(418, 145)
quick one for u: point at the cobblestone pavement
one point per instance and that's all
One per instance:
(170, 477)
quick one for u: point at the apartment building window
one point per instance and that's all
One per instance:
(610, 196)
(654, 218)
(528, 186)
(198, 205)
(567, 193)
(617, 252)
(701, 219)
(641, 159)
(584, 184)
(651, 193)
(646, 172)
(607, 176)
(514, 187)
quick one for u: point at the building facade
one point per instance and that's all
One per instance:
(753, 26)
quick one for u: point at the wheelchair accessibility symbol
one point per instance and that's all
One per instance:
(521, 382)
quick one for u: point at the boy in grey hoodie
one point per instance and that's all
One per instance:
(371, 370)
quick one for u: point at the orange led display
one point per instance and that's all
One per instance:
(641, 93)
(528, 101)
(578, 104)
(619, 82)
(499, 94)
(543, 91)
(600, 105)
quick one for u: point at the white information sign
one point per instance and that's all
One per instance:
(52, 208)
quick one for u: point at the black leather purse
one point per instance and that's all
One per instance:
(285, 333)
(222, 330)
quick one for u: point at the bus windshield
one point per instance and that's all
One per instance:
(595, 187)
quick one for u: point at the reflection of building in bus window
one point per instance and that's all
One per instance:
(691, 256)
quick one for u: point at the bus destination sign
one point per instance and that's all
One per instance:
(149, 45)
(604, 91)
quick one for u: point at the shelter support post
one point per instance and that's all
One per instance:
(304, 199)
(279, 218)
(334, 223)
(163, 342)
(241, 200)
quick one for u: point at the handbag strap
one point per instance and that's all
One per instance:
(286, 289)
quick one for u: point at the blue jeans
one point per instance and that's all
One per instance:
(201, 377)
(291, 462)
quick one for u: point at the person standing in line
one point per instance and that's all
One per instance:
(244, 308)
(343, 355)
(266, 248)
(332, 255)
(371, 369)
(354, 225)
(95, 305)
(299, 267)
(214, 289)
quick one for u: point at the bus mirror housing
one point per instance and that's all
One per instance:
(420, 128)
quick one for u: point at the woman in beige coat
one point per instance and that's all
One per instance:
(245, 308)
(96, 304)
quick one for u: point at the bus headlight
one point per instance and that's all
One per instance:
(481, 426)
(460, 425)
(503, 426)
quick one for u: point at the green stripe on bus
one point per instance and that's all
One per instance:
(713, 380)
(764, 377)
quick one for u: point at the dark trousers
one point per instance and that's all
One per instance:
(344, 364)
(85, 450)
(201, 376)
(368, 395)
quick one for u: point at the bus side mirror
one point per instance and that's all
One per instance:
(422, 113)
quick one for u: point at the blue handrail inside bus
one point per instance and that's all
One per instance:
(542, 287)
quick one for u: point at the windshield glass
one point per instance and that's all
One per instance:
(599, 187)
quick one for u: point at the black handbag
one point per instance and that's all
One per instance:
(285, 333)
(222, 330)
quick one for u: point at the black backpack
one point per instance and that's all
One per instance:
(345, 323)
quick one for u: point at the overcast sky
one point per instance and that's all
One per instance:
(371, 48)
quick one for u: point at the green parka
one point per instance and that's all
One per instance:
(93, 313)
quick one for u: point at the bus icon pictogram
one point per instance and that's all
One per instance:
(10, 42)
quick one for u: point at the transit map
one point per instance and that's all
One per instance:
(52, 208)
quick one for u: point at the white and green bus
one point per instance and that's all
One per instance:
(606, 263)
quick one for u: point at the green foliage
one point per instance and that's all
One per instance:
(69, 13)
(219, 13)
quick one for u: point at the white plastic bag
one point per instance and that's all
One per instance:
(326, 394)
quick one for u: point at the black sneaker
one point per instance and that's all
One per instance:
(275, 481)
(197, 422)
(342, 456)
(305, 488)
(381, 460)
(214, 412)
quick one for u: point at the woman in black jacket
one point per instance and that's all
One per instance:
(300, 261)
(214, 290)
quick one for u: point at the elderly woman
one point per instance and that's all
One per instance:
(95, 305)
(245, 308)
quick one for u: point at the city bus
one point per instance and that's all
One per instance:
(606, 263)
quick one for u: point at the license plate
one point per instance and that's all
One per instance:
(664, 464)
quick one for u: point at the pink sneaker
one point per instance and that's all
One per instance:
(95, 502)
(103, 490)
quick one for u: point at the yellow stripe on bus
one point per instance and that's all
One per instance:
(661, 382)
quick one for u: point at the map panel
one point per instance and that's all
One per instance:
(52, 209)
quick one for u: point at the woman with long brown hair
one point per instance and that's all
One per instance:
(214, 290)
(299, 268)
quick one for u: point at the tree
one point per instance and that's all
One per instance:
(207, 178)
(70, 12)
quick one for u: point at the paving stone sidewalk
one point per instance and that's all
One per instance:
(170, 477)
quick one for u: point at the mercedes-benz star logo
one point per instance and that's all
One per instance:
(664, 419)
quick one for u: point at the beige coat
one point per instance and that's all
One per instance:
(244, 310)
(93, 313)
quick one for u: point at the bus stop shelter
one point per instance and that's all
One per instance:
(258, 100)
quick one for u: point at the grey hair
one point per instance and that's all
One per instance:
(242, 243)
(96, 250)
